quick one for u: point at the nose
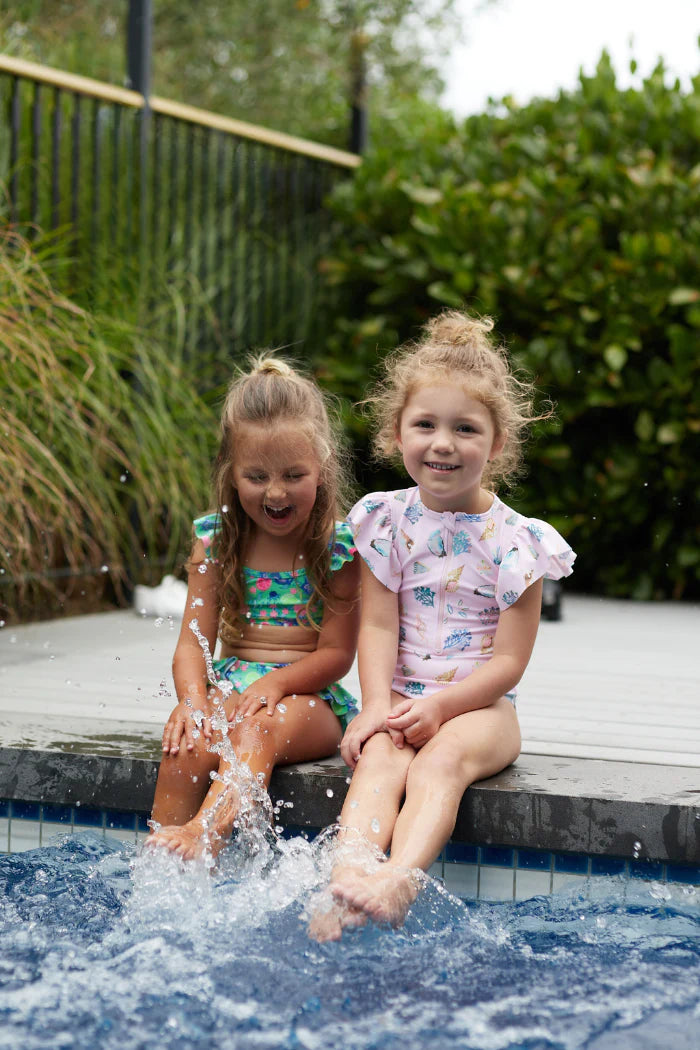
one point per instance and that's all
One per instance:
(276, 490)
(442, 440)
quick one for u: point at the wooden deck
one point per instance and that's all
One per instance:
(613, 680)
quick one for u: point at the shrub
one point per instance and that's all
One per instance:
(105, 448)
(574, 222)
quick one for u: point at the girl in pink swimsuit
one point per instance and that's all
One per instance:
(451, 598)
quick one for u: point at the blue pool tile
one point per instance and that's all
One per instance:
(461, 853)
(25, 811)
(646, 869)
(56, 814)
(683, 873)
(534, 860)
(497, 856)
(119, 820)
(571, 863)
(142, 822)
(93, 818)
(608, 866)
(4, 809)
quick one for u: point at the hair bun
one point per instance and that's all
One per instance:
(456, 328)
(271, 366)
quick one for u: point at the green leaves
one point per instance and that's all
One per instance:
(575, 222)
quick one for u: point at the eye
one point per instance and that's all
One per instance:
(424, 424)
(295, 475)
(466, 428)
(258, 478)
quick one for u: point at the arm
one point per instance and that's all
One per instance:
(328, 663)
(189, 665)
(515, 637)
(377, 648)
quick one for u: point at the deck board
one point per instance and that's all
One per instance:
(613, 680)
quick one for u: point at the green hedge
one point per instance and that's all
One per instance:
(576, 224)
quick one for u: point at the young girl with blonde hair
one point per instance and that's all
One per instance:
(451, 598)
(272, 574)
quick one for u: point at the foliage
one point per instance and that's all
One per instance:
(280, 64)
(575, 223)
(106, 449)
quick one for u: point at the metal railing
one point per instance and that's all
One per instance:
(210, 224)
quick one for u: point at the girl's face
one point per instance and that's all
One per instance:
(446, 438)
(276, 473)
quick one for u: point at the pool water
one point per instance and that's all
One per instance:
(107, 946)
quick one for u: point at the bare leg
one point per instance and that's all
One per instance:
(367, 820)
(299, 734)
(183, 781)
(470, 747)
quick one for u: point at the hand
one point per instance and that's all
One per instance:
(362, 727)
(185, 723)
(417, 720)
(259, 695)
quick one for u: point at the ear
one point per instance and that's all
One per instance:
(499, 443)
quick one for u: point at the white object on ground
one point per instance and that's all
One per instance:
(167, 599)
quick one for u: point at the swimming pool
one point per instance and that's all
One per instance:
(105, 947)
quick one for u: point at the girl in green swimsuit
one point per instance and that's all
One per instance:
(273, 576)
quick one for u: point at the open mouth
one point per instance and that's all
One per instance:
(277, 513)
(442, 467)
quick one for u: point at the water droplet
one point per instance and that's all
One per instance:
(312, 703)
(158, 622)
(636, 849)
(224, 508)
(347, 780)
(375, 825)
(282, 708)
(329, 792)
(2, 623)
(354, 804)
(123, 477)
(202, 568)
(68, 681)
(104, 568)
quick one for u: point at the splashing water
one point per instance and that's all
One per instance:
(105, 947)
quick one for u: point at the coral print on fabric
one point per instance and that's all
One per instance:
(454, 575)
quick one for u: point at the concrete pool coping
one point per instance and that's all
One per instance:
(611, 755)
(601, 808)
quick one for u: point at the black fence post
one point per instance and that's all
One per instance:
(359, 126)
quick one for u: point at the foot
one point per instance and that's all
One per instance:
(330, 923)
(188, 841)
(384, 895)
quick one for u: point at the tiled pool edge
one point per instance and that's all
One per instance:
(543, 821)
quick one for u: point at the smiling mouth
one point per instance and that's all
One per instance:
(443, 467)
(277, 513)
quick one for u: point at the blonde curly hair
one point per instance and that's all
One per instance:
(457, 347)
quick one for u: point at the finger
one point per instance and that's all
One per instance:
(397, 737)
(206, 728)
(171, 737)
(403, 721)
(347, 751)
(401, 709)
(189, 738)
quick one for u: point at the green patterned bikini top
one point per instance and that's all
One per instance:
(277, 598)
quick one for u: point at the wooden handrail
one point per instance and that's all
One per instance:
(108, 93)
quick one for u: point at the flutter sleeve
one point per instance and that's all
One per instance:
(206, 529)
(342, 546)
(373, 533)
(535, 550)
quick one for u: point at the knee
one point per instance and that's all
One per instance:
(447, 764)
(195, 764)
